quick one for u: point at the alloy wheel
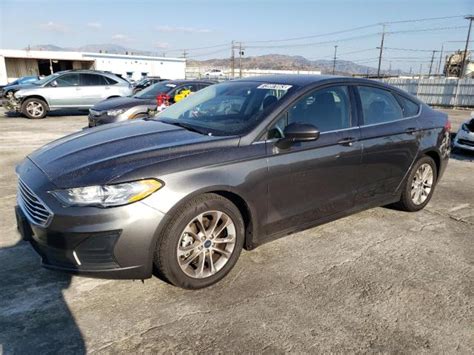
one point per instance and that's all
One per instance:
(35, 109)
(422, 184)
(206, 244)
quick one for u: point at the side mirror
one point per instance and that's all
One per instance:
(300, 132)
(54, 83)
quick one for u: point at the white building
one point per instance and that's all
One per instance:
(17, 63)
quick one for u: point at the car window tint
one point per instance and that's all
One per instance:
(93, 80)
(409, 107)
(378, 105)
(110, 81)
(328, 109)
(67, 80)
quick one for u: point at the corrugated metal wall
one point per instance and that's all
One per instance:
(439, 92)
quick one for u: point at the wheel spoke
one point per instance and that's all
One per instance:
(211, 262)
(222, 252)
(186, 250)
(201, 264)
(216, 217)
(226, 240)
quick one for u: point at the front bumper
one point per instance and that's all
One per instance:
(11, 103)
(464, 140)
(116, 243)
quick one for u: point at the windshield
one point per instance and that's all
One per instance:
(229, 108)
(152, 91)
(46, 79)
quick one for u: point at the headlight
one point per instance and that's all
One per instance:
(464, 128)
(115, 112)
(108, 195)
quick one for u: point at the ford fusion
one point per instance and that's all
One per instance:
(233, 166)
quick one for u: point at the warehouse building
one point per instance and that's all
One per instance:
(17, 63)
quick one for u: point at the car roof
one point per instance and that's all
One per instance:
(185, 81)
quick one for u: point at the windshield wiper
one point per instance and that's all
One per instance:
(185, 126)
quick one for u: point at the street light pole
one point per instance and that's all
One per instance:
(334, 63)
(463, 67)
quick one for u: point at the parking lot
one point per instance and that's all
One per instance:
(378, 281)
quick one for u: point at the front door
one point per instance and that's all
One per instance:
(312, 180)
(64, 91)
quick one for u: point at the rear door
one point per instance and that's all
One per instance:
(312, 180)
(95, 88)
(390, 141)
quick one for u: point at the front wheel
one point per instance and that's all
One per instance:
(201, 243)
(419, 186)
(34, 108)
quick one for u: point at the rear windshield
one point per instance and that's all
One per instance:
(153, 91)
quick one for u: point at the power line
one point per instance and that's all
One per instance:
(428, 29)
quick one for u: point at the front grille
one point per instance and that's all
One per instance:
(466, 142)
(36, 211)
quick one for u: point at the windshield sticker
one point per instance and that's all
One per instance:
(171, 85)
(274, 86)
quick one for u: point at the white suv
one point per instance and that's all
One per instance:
(67, 89)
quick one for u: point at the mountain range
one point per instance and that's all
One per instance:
(267, 61)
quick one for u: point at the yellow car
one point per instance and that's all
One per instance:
(182, 94)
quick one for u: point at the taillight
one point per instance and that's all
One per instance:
(447, 125)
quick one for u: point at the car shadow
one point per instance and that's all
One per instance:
(55, 113)
(461, 154)
(34, 316)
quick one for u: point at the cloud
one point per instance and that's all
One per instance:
(182, 29)
(54, 27)
(121, 38)
(94, 25)
(161, 45)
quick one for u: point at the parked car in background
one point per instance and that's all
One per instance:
(140, 104)
(235, 165)
(465, 136)
(214, 74)
(19, 81)
(146, 82)
(66, 89)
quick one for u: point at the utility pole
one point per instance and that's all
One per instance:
(463, 67)
(241, 53)
(381, 50)
(440, 59)
(232, 59)
(334, 63)
(421, 70)
(185, 53)
(431, 63)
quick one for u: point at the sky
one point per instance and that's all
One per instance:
(169, 27)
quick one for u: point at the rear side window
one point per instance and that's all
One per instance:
(93, 80)
(378, 105)
(110, 81)
(409, 107)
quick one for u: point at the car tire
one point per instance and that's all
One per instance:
(419, 186)
(34, 108)
(187, 257)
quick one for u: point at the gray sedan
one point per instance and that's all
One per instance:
(139, 105)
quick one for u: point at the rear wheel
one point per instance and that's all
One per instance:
(34, 108)
(201, 243)
(419, 186)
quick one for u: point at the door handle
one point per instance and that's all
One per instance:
(347, 141)
(411, 130)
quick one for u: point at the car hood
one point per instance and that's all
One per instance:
(120, 102)
(118, 151)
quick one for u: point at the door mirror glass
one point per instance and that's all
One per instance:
(300, 132)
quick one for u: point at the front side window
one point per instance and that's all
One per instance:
(229, 108)
(378, 105)
(327, 109)
(67, 80)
